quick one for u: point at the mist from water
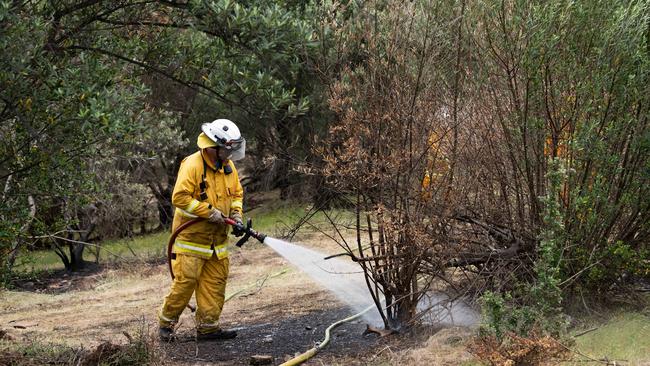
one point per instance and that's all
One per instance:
(346, 281)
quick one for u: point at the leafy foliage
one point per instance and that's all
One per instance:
(507, 140)
(511, 137)
(97, 98)
(58, 113)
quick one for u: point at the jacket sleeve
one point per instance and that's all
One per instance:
(237, 203)
(187, 183)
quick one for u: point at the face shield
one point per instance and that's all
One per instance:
(234, 149)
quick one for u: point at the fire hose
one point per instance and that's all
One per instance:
(314, 350)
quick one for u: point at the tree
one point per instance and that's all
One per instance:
(58, 112)
(503, 139)
(391, 133)
(75, 77)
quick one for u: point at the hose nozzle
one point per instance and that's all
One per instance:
(247, 230)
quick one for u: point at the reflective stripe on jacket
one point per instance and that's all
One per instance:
(224, 192)
(200, 250)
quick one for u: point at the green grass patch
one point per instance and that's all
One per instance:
(35, 353)
(35, 262)
(275, 218)
(141, 247)
(626, 336)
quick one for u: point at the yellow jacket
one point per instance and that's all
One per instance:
(224, 192)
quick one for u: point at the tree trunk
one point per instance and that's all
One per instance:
(11, 260)
(165, 209)
(76, 257)
(163, 197)
(143, 221)
(406, 309)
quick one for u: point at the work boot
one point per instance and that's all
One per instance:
(219, 334)
(166, 334)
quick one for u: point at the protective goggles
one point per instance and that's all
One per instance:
(231, 144)
(236, 149)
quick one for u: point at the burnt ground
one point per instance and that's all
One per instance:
(281, 338)
(287, 337)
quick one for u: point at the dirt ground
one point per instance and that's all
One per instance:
(277, 310)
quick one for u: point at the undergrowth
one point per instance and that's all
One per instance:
(138, 350)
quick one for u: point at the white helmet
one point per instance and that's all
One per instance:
(224, 133)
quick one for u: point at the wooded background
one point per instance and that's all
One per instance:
(501, 146)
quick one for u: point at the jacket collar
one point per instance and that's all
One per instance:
(207, 160)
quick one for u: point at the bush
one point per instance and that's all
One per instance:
(514, 350)
(137, 351)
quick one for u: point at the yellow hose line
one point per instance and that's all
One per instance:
(302, 357)
(312, 351)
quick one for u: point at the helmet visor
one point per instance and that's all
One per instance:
(236, 148)
(232, 144)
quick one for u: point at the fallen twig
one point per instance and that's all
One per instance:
(128, 336)
(585, 332)
(379, 353)
(380, 332)
(258, 283)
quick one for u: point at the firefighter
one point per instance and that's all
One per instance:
(437, 166)
(207, 186)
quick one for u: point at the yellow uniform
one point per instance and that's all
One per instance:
(437, 166)
(201, 262)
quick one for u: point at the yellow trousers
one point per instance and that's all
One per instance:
(206, 277)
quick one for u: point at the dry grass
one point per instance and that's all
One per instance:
(116, 303)
(447, 347)
(137, 349)
(118, 299)
(515, 350)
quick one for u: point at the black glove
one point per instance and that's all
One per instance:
(237, 230)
